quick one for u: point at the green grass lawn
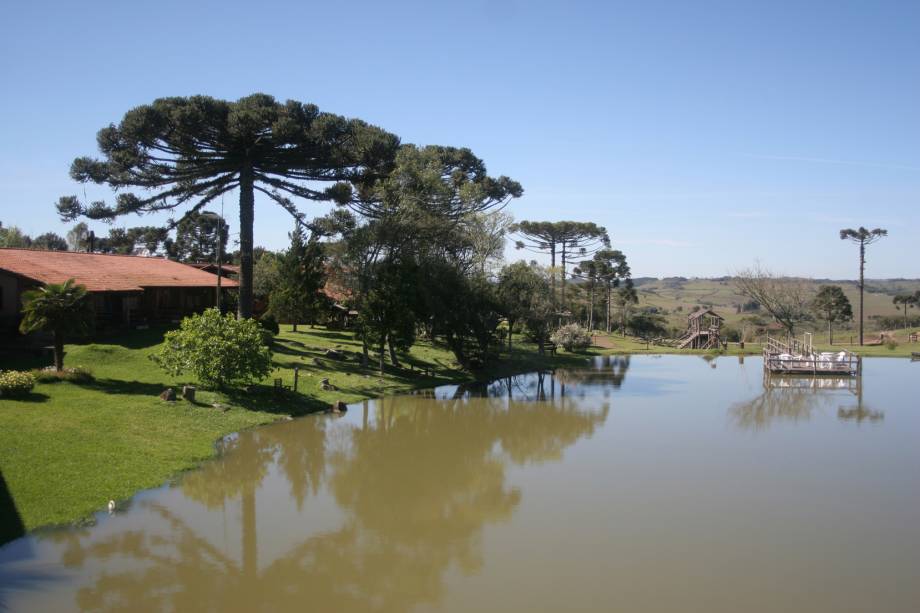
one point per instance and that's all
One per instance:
(70, 448)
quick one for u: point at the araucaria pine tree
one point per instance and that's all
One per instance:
(183, 153)
(862, 237)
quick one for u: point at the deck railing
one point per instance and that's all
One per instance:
(795, 357)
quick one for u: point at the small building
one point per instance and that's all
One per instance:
(703, 330)
(125, 289)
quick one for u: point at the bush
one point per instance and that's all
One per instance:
(891, 344)
(731, 334)
(73, 375)
(16, 384)
(572, 337)
(268, 322)
(218, 349)
(647, 325)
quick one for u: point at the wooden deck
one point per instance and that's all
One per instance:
(800, 358)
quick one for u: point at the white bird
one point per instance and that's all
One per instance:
(111, 506)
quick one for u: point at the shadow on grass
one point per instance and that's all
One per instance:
(11, 526)
(32, 397)
(132, 388)
(329, 334)
(132, 339)
(283, 348)
(270, 400)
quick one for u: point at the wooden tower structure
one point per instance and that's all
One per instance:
(704, 331)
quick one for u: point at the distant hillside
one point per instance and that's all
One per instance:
(676, 297)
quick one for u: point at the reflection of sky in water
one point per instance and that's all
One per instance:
(644, 483)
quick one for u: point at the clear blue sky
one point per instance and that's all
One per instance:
(696, 132)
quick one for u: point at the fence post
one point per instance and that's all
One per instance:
(296, 376)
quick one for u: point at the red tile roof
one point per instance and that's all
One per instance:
(105, 273)
(211, 267)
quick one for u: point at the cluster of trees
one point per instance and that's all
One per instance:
(603, 271)
(416, 239)
(907, 301)
(13, 236)
(192, 239)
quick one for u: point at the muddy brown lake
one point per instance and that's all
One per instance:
(668, 483)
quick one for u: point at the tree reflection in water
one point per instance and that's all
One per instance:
(415, 479)
(797, 398)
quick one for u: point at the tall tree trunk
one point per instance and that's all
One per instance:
(862, 285)
(563, 274)
(607, 322)
(830, 332)
(365, 359)
(247, 214)
(591, 309)
(383, 352)
(58, 351)
(393, 358)
(552, 275)
(510, 330)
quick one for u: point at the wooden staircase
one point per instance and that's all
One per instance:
(701, 339)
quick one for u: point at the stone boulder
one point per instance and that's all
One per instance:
(169, 395)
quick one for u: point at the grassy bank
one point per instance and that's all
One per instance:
(69, 448)
(629, 345)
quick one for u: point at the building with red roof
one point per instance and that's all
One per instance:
(124, 288)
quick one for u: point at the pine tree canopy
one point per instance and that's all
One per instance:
(186, 152)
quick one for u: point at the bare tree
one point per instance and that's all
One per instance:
(862, 237)
(786, 299)
(486, 233)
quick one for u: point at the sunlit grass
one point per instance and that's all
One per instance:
(70, 448)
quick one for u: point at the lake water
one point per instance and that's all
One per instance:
(647, 484)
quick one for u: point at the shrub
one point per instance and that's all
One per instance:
(219, 350)
(731, 334)
(16, 384)
(572, 337)
(268, 322)
(891, 344)
(77, 374)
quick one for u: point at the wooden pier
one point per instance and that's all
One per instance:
(800, 358)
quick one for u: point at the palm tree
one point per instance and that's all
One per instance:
(863, 238)
(63, 309)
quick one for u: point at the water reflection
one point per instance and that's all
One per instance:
(797, 398)
(466, 498)
(413, 482)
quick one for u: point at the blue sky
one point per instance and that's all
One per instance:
(703, 135)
